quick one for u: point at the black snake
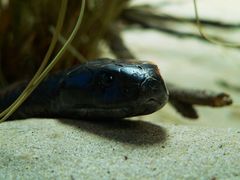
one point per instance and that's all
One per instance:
(102, 88)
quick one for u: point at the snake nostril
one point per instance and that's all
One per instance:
(154, 88)
(153, 85)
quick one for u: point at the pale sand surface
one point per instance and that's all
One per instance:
(67, 149)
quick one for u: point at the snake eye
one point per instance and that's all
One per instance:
(106, 79)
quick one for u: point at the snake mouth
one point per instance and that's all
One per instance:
(155, 103)
(146, 107)
(160, 102)
(151, 100)
(96, 113)
(151, 107)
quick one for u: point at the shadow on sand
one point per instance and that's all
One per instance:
(125, 131)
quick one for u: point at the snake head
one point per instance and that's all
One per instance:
(114, 89)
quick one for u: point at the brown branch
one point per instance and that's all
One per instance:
(148, 13)
(185, 109)
(134, 17)
(199, 97)
(148, 19)
(116, 43)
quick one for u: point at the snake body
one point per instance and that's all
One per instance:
(102, 88)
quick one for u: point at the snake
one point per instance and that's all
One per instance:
(100, 88)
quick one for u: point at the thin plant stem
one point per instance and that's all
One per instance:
(207, 37)
(45, 72)
(71, 48)
(59, 25)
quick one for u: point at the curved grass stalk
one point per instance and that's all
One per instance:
(208, 38)
(8, 112)
(59, 25)
(71, 48)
